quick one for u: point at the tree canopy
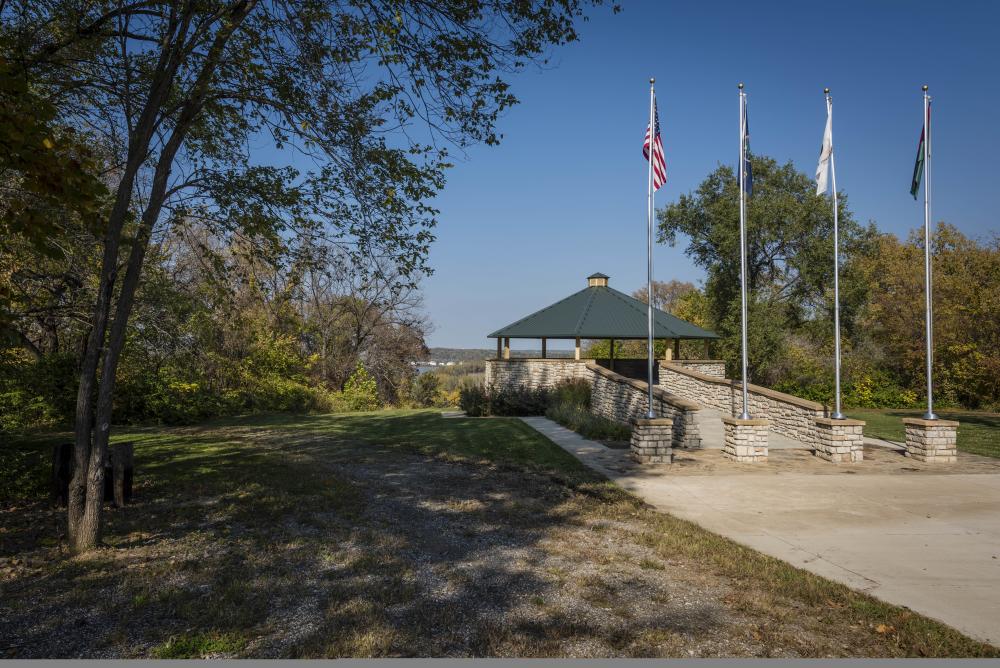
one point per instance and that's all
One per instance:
(789, 255)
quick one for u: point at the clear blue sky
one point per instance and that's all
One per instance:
(564, 195)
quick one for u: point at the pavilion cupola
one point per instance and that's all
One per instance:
(597, 280)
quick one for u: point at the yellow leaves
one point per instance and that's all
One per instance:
(48, 143)
(884, 629)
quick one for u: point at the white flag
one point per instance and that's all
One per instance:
(825, 151)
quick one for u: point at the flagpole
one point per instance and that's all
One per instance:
(649, 256)
(745, 415)
(837, 415)
(928, 304)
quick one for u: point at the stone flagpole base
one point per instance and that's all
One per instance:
(932, 441)
(746, 440)
(839, 440)
(652, 440)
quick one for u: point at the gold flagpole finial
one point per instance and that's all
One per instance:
(740, 85)
(925, 88)
(826, 91)
(652, 80)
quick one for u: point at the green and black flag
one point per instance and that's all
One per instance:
(918, 167)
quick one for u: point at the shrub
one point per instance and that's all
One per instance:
(519, 401)
(570, 406)
(424, 390)
(361, 391)
(477, 401)
(864, 389)
(36, 392)
(582, 421)
(575, 391)
(877, 390)
(474, 401)
(447, 399)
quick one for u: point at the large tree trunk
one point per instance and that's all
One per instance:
(87, 486)
(89, 529)
(83, 515)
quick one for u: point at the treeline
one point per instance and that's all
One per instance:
(790, 276)
(216, 330)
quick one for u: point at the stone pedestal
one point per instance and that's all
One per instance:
(746, 440)
(931, 440)
(839, 440)
(652, 440)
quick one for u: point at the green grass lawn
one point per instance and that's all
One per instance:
(173, 454)
(401, 533)
(978, 432)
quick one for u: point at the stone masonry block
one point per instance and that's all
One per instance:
(652, 440)
(839, 440)
(931, 441)
(746, 440)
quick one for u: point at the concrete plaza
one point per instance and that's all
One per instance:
(925, 536)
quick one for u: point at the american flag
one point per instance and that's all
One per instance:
(659, 163)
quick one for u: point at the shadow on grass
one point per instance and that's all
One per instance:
(357, 535)
(402, 534)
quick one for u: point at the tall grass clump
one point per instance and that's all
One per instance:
(569, 405)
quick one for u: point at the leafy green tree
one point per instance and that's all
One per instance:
(789, 257)
(48, 171)
(179, 90)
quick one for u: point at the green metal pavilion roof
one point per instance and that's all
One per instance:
(600, 312)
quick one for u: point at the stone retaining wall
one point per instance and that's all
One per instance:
(612, 395)
(623, 400)
(533, 373)
(716, 368)
(788, 415)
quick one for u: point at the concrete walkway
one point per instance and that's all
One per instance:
(912, 534)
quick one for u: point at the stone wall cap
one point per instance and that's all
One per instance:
(752, 422)
(847, 422)
(921, 422)
(653, 422)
